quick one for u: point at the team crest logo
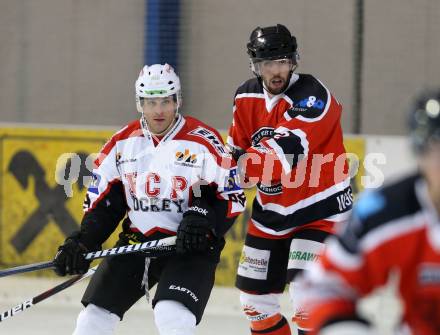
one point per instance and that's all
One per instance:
(261, 133)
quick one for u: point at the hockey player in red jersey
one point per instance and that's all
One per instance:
(287, 137)
(164, 174)
(395, 229)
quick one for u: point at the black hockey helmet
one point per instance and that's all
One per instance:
(273, 42)
(424, 120)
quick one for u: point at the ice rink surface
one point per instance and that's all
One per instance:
(57, 314)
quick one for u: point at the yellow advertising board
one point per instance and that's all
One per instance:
(355, 148)
(43, 179)
(36, 213)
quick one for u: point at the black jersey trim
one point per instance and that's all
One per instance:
(400, 201)
(317, 211)
(250, 86)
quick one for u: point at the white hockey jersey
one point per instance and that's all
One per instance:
(158, 180)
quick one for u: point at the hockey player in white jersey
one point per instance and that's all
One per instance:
(163, 175)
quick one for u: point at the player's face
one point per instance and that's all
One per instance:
(275, 74)
(430, 167)
(159, 113)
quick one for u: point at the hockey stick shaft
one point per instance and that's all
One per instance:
(43, 296)
(26, 268)
(153, 248)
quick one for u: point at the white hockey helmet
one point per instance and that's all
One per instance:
(157, 81)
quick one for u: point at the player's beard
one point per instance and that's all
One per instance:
(275, 85)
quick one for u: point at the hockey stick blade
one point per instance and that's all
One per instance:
(25, 305)
(153, 248)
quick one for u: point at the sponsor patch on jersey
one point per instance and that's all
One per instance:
(345, 200)
(252, 314)
(212, 138)
(120, 161)
(232, 182)
(270, 190)
(94, 184)
(303, 252)
(186, 158)
(253, 263)
(310, 107)
(429, 274)
(312, 102)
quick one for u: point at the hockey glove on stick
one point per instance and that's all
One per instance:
(70, 257)
(154, 248)
(196, 230)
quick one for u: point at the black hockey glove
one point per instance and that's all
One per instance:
(69, 258)
(196, 230)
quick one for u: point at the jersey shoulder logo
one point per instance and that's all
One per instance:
(309, 98)
(310, 107)
(212, 139)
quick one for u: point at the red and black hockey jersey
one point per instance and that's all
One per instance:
(298, 155)
(153, 183)
(394, 230)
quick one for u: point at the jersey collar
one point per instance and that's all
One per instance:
(272, 101)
